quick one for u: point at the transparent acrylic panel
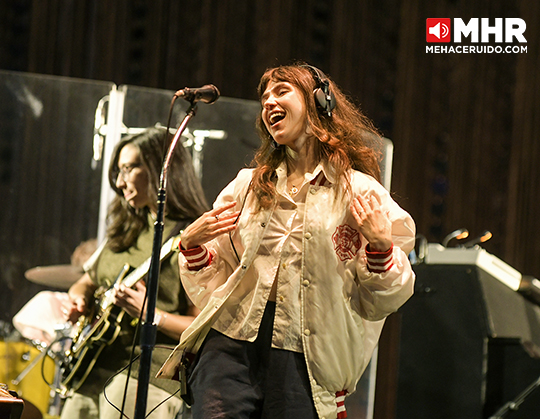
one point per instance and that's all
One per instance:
(221, 136)
(49, 183)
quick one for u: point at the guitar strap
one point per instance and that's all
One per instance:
(91, 261)
(163, 255)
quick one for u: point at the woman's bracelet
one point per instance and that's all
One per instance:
(160, 317)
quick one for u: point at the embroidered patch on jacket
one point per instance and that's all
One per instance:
(346, 242)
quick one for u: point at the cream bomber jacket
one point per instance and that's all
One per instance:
(344, 301)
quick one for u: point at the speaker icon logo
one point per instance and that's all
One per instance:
(438, 30)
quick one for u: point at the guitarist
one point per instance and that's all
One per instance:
(134, 177)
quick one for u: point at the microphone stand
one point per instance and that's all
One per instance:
(148, 328)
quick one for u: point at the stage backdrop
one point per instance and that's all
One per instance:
(464, 126)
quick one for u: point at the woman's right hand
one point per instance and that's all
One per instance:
(80, 293)
(209, 226)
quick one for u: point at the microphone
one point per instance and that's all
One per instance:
(207, 94)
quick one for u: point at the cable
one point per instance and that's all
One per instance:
(128, 366)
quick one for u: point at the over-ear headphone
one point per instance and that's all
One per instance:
(324, 98)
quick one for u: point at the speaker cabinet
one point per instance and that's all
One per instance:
(463, 345)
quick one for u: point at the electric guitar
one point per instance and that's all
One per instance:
(102, 326)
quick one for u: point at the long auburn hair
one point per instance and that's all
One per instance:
(185, 196)
(346, 140)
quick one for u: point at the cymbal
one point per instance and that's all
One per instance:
(57, 276)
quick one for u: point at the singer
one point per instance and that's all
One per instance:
(297, 265)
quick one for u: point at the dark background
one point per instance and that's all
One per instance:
(464, 126)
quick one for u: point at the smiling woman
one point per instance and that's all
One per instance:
(283, 114)
(298, 264)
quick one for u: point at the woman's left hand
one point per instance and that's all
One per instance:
(131, 299)
(373, 222)
(210, 225)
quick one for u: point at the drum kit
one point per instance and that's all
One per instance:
(31, 361)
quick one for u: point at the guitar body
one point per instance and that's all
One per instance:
(94, 332)
(102, 327)
(88, 345)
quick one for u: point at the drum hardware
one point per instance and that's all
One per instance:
(6, 329)
(55, 351)
(26, 356)
(16, 354)
(57, 276)
(59, 392)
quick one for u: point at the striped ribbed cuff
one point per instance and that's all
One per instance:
(197, 258)
(379, 262)
(340, 401)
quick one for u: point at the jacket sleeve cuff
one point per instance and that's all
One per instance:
(379, 262)
(197, 258)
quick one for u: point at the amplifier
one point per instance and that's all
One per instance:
(470, 341)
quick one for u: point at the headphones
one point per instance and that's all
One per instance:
(324, 98)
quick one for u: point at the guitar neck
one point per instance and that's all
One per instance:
(139, 272)
(143, 268)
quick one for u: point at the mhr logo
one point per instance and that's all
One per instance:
(504, 30)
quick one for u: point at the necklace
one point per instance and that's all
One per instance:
(293, 180)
